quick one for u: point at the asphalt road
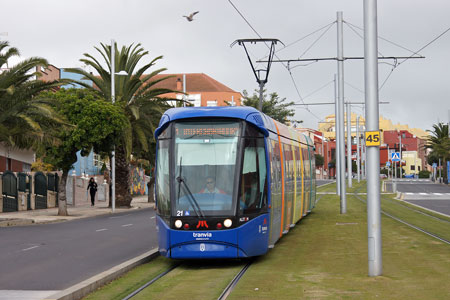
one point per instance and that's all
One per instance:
(57, 256)
(320, 182)
(426, 194)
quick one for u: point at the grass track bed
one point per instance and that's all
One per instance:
(323, 257)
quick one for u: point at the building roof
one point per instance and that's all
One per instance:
(195, 82)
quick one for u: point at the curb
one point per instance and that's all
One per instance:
(15, 222)
(87, 286)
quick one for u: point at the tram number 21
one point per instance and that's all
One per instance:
(373, 138)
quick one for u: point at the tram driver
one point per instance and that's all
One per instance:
(210, 187)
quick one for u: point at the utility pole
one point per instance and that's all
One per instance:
(372, 125)
(358, 167)
(340, 63)
(349, 145)
(336, 131)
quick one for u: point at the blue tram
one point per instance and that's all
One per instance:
(230, 181)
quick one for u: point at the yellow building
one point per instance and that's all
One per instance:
(328, 127)
(412, 162)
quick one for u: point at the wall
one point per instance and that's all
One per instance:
(139, 181)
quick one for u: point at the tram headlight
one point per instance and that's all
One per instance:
(178, 223)
(227, 223)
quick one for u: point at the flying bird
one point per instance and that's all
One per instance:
(190, 18)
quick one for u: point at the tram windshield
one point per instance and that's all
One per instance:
(205, 160)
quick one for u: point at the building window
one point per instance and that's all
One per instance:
(26, 167)
(211, 103)
(413, 168)
(8, 164)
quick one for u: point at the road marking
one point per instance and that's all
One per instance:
(115, 217)
(422, 193)
(103, 229)
(153, 217)
(438, 194)
(29, 248)
(126, 225)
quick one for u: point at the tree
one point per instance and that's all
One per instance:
(23, 117)
(274, 107)
(319, 160)
(439, 143)
(139, 100)
(91, 123)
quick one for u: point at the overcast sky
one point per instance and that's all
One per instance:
(418, 89)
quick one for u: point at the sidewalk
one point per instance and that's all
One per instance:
(49, 215)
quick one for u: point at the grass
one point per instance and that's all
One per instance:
(326, 258)
(323, 257)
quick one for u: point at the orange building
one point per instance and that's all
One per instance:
(201, 90)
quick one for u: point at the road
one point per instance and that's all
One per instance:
(320, 182)
(425, 193)
(57, 256)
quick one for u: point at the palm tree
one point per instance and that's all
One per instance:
(23, 117)
(140, 100)
(439, 143)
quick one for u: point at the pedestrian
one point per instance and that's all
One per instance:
(92, 187)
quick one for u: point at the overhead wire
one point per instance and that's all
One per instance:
(312, 45)
(286, 66)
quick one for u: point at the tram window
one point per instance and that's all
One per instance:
(205, 155)
(252, 187)
(252, 131)
(166, 133)
(162, 178)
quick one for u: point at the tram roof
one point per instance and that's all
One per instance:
(247, 113)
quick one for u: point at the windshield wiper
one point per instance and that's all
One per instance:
(198, 211)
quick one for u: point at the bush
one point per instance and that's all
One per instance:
(424, 174)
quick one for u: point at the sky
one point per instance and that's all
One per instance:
(418, 90)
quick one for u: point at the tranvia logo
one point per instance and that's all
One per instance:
(202, 223)
(202, 247)
(202, 234)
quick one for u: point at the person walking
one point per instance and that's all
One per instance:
(92, 187)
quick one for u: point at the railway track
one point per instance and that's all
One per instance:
(409, 224)
(226, 292)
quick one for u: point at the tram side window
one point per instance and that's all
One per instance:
(162, 178)
(252, 188)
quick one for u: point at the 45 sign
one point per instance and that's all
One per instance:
(373, 138)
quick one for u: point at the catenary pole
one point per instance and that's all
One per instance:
(401, 158)
(372, 124)
(358, 158)
(184, 90)
(349, 144)
(336, 131)
(340, 63)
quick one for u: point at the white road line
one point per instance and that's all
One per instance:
(437, 194)
(29, 248)
(126, 225)
(103, 229)
(153, 217)
(422, 193)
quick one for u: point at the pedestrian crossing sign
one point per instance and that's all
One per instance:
(395, 156)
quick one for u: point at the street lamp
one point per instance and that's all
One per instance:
(113, 100)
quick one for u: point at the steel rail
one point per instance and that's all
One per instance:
(415, 210)
(233, 282)
(408, 224)
(140, 289)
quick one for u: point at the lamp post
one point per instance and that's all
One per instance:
(113, 100)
